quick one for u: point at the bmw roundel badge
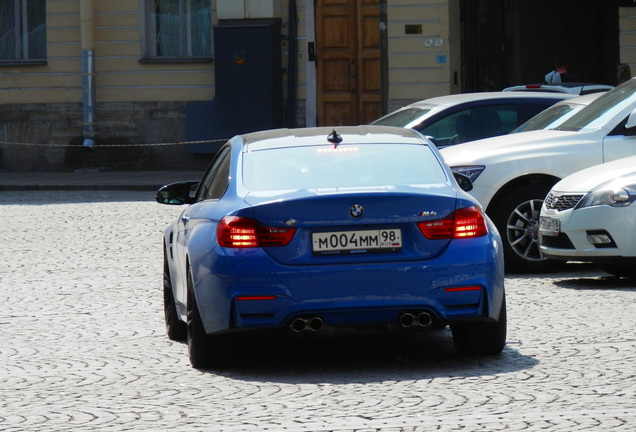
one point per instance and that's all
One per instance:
(356, 210)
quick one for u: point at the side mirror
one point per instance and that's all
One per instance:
(631, 120)
(177, 193)
(464, 182)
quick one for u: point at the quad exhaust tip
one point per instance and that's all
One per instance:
(406, 320)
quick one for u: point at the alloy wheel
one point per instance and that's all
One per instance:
(522, 230)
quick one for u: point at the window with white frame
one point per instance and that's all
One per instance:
(178, 30)
(22, 31)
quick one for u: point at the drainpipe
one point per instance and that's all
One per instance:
(87, 27)
(292, 65)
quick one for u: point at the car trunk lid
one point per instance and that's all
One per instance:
(341, 226)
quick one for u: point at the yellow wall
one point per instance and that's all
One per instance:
(60, 79)
(120, 76)
(419, 64)
(302, 47)
(416, 68)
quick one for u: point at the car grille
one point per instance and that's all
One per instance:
(561, 202)
(560, 242)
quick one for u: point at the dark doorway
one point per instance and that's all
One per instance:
(511, 42)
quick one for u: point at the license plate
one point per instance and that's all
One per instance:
(357, 242)
(549, 226)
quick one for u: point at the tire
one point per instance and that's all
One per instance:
(481, 338)
(516, 217)
(175, 328)
(205, 351)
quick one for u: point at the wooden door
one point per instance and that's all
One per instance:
(348, 61)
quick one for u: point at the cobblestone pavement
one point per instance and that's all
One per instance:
(83, 348)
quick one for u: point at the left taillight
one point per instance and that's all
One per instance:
(240, 232)
(468, 222)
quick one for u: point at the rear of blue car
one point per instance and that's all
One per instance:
(353, 235)
(351, 270)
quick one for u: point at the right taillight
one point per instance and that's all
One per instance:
(468, 222)
(240, 232)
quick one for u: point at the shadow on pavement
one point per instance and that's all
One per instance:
(394, 357)
(602, 282)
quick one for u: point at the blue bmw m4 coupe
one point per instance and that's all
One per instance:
(318, 230)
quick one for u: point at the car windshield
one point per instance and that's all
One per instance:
(551, 117)
(602, 110)
(346, 166)
(403, 117)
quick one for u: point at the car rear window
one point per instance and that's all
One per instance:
(346, 166)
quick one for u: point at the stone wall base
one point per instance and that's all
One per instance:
(135, 136)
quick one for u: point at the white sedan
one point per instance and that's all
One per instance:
(589, 216)
(566, 87)
(459, 118)
(512, 174)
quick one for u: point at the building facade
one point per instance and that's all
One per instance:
(146, 84)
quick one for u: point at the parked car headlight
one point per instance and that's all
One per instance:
(616, 194)
(470, 171)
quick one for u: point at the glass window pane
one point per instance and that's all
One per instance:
(544, 119)
(348, 166)
(7, 31)
(597, 113)
(403, 117)
(198, 28)
(179, 28)
(165, 18)
(23, 30)
(34, 30)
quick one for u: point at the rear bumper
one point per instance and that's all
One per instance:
(265, 294)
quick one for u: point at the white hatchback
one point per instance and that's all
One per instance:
(589, 216)
(513, 173)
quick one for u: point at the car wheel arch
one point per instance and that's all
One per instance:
(214, 320)
(175, 326)
(528, 179)
(514, 211)
(189, 284)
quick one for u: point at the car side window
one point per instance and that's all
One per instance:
(473, 123)
(221, 180)
(495, 119)
(445, 129)
(216, 179)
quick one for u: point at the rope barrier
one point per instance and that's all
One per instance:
(7, 143)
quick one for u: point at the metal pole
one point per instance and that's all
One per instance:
(292, 65)
(87, 23)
